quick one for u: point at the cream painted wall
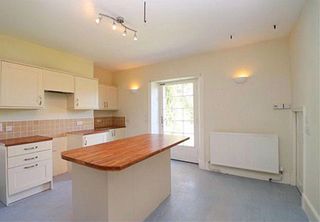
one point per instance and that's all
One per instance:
(304, 47)
(22, 51)
(226, 106)
(104, 76)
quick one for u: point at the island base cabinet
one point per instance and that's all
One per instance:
(126, 195)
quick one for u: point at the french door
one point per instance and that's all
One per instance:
(178, 116)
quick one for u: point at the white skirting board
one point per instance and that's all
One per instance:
(311, 212)
(257, 152)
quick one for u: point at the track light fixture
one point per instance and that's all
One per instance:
(98, 20)
(135, 36)
(124, 32)
(117, 20)
(114, 25)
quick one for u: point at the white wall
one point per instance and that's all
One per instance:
(227, 106)
(304, 47)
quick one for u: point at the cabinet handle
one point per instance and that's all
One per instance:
(31, 148)
(40, 100)
(107, 104)
(85, 142)
(28, 167)
(32, 158)
(77, 102)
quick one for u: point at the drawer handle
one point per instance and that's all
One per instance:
(32, 158)
(31, 148)
(28, 167)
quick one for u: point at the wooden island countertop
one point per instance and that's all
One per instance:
(120, 154)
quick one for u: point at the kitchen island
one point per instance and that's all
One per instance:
(123, 180)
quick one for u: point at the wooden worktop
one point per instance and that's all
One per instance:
(24, 140)
(120, 154)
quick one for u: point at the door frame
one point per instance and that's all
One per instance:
(196, 99)
(296, 110)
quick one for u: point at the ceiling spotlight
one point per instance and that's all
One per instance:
(135, 38)
(114, 26)
(124, 32)
(98, 20)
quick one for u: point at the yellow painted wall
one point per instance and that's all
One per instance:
(22, 51)
(18, 50)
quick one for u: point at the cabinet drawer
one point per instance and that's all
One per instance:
(25, 177)
(29, 158)
(29, 148)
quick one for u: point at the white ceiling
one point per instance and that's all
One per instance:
(175, 28)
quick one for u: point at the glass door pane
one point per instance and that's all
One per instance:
(178, 110)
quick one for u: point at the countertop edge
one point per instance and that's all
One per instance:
(104, 168)
(28, 140)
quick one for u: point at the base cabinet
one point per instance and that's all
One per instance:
(25, 170)
(28, 176)
(116, 134)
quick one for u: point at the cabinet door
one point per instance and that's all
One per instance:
(119, 133)
(112, 98)
(21, 86)
(58, 82)
(28, 176)
(103, 97)
(86, 93)
(94, 139)
(109, 136)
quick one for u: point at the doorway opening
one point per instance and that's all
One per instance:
(175, 111)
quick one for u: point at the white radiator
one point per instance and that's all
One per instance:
(257, 152)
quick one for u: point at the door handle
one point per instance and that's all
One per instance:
(40, 100)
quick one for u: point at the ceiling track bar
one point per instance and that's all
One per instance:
(118, 20)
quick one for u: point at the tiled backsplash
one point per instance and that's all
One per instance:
(114, 121)
(52, 128)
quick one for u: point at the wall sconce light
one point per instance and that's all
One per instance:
(134, 88)
(241, 76)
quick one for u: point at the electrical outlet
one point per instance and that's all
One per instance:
(9, 128)
(79, 123)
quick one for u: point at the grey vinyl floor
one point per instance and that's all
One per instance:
(197, 195)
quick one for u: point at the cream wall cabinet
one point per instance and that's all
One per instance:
(20, 87)
(85, 95)
(25, 170)
(58, 82)
(108, 97)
